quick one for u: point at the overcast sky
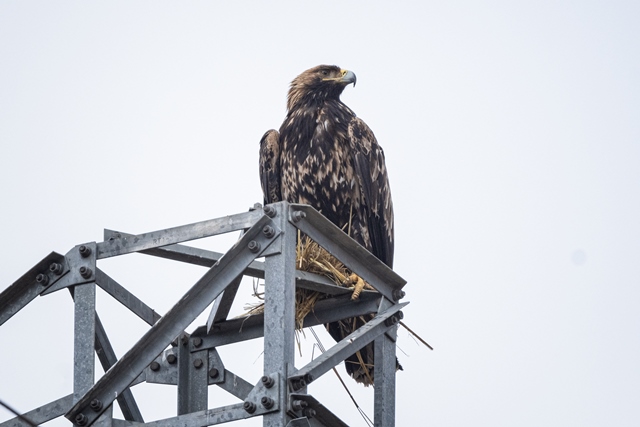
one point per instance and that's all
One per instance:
(512, 137)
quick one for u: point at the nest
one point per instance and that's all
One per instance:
(312, 258)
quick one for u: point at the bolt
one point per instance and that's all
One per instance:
(268, 231)
(308, 378)
(256, 206)
(299, 405)
(298, 215)
(267, 381)
(171, 358)
(85, 251)
(270, 211)
(42, 279)
(85, 272)
(254, 246)
(198, 363)
(197, 342)
(184, 339)
(400, 315)
(267, 402)
(391, 321)
(398, 294)
(213, 373)
(298, 383)
(81, 419)
(155, 366)
(309, 412)
(96, 405)
(250, 407)
(55, 268)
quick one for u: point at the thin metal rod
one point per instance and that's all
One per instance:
(18, 415)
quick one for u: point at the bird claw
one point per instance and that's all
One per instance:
(360, 284)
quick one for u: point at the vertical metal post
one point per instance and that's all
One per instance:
(385, 379)
(84, 297)
(279, 314)
(192, 378)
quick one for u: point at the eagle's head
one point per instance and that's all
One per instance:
(319, 84)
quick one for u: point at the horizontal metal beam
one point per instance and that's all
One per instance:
(117, 246)
(42, 414)
(208, 417)
(348, 251)
(347, 346)
(214, 281)
(251, 327)
(26, 288)
(206, 258)
(222, 414)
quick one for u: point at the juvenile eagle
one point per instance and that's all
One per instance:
(326, 157)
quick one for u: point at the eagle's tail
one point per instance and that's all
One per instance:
(360, 365)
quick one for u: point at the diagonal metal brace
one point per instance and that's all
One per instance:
(348, 251)
(30, 285)
(214, 281)
(346, 347)
(315, 410)
(42, 414)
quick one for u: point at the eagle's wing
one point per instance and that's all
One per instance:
(371, 173)
(270, 166)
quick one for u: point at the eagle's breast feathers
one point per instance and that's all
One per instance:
(326, 157)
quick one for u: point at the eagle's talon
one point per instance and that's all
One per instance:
(360, 284)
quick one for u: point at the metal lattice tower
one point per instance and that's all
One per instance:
(192, 363)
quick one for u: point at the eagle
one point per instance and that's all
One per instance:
(325, 156)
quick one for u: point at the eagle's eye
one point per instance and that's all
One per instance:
(324, 72)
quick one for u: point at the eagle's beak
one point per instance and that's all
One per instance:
(348, 77)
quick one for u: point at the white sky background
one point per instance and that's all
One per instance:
(511, 133)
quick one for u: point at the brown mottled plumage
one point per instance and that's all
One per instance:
(328, 158)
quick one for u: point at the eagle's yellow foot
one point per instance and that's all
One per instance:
(360, 284)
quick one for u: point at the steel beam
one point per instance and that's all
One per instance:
(84, 331)
(208, 417)
(122, 245)
(42, 414)
(192, 379)
(214, 281)
(385, 379)
(222, 304)
(126, 298)
(223, 414)
(279, 313)
(206, 258)
(348, 251)
(348, 346)
(320, 415)
(325, 311)
(26, 288)
(235, 385)
(108, 358)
